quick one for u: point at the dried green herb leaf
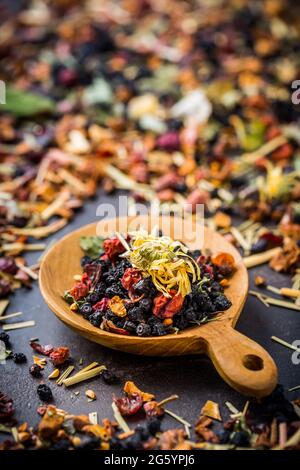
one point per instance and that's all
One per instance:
(91, 246)
(24, 103)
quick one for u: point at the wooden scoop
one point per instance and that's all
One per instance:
(242, 363)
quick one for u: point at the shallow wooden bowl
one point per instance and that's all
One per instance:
(242, 363)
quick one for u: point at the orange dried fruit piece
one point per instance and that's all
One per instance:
(130, 388)
(222, 220)
(39, 361)
(211, 410)
(90, 394)
(117, 306)
(260, 281)
(225, 260)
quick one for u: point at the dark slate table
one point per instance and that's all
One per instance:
(193, 378)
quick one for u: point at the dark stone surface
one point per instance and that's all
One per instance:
(193, 378)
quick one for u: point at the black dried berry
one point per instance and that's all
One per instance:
(63, 444)
(129, 326)
(222, 303)
(89, 443)
(134, 442)
(44, 392)
(115, 289)
(240, 439)
(85, 260)
(93, 297)
(96, 318)
(109, 377)
(224, 436)
(146, 305)
(146, 287)
(143, 329)
(100, 289)
(19, 358)
(35, 370)
(86, 310)
(5, 338)
(135, 314)
(154, 426)
(159, 330)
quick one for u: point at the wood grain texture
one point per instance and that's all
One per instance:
(241, 362)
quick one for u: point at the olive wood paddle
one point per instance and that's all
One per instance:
(240, 361)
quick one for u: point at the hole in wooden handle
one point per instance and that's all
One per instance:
(253, 362)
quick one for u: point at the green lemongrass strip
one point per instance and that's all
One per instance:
(87, 368)
(259, 296)
(15, 434)
(285, 343)
(82, 376)
(93, 417)
(125, 182)
(119, 418)
(167, 400)
(276, 302)
(282, 303)
(265, 149)
(260, 258)
(245, 225)
(294, 388)
(23, 246)
(296, 409)
(11, 315)
(293, 440)
(240, 239)
(178, 418)
(225, 195)
(65, 375)
(187, 431)
(5, 429)
(273, 289)
(16, 326)
(252, 228)
(3, 306)
(246, 408)
(27, 271)
(233, 410)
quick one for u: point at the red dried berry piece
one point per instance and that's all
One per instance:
(164, 307)
(152, 409)
(79, 291)
(102, 305)
(110, 326)
(113, 247)
(130, 277)
(8, 265)
(59, 355)
(6, 407)
(45, 350)
(225, 261)
(272, 239)
(129, 406)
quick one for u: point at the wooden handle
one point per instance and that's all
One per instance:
(241, 362)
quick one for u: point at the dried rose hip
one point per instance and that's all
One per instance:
(129, 405)
(59, 355)
(130, 277)
(165, 307)
(113, 247)
(45, 350)
(6, 407)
